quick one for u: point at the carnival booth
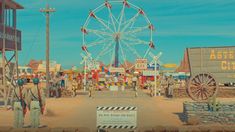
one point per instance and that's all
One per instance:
(148, 75)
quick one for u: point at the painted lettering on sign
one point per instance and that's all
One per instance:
(225, 56)
(222, 55)
(141, 64)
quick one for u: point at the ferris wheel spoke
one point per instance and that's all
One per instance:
(101, 21)
(112, 19)
(129, 22)
(106, 52)
(99, 32)
(103, 50)
(146, 53)
(131, 49)
(121, 17)
(135, 41)
(136, 30)
(96, 43)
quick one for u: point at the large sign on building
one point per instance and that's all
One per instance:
(10, 38)
(141, 64)
(116, 117)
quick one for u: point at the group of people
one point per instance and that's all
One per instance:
(31, 99)
(57, 82)
(166, 83)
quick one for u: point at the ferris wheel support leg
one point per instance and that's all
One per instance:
(116, 63)
(85, 77)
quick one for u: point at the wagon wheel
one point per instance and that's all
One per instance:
(202, 86)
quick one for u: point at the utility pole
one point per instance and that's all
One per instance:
(47, 12)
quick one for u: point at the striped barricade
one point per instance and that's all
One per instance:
(116, 117)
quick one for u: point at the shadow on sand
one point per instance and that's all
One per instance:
(181, 116)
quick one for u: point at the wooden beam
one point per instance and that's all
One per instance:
(12, 5)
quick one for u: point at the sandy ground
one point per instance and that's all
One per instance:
(81, 111)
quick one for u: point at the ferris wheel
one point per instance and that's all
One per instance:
(117, 31)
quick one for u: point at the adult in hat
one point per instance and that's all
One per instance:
(20, 106)
(37, 103)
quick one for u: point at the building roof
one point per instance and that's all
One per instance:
(11, 4)
(184, 64)
(34, 64)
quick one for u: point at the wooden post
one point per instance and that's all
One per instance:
(16, 44)
(47, 12)
(4, 54)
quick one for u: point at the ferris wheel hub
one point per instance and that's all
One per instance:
(117, 36)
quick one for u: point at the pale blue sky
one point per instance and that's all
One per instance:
(179, 24)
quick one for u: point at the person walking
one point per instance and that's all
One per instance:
(66, 77)
(170, 88)
(20, 105)
(134, 82)
(58, 88)
(74, 87)
(150, 87)
(62, 81)
(37, 103)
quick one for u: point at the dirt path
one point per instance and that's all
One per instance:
(81, 111)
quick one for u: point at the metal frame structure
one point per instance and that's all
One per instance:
(118, 33)
(156, 61)
(9, 49)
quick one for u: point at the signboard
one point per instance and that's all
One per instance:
(150, 73)
(114, 70)
(152, 67)
(219, 61)
(116, 117)
(113, 88)
(10, 38)
(141, 64)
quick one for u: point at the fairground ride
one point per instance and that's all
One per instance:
(117, 31)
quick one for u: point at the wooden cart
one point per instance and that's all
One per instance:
(209, 67)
